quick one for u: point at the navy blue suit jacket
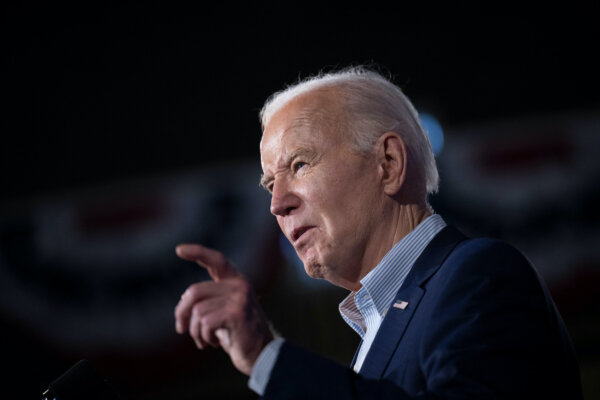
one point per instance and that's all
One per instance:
(479, 324)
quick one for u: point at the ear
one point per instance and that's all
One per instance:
(392, 160)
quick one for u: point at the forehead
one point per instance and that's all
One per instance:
(311, 117)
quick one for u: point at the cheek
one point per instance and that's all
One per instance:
(339, 212)
(352, 206)
(341, 199)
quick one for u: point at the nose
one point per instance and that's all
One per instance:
(283, 200)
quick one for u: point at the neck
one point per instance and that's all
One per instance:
(404, 219)
(409, 217)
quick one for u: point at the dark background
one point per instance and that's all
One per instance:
(99, 97)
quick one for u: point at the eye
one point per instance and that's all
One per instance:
(297, 165)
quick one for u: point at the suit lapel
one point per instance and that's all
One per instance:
(406, 302)
(390, 332)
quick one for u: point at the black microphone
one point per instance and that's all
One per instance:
(81, 381)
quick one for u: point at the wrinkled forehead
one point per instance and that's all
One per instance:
(281, 137)
(318, 111)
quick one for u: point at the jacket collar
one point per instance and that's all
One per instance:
(406, 302)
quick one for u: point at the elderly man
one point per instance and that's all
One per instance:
(440, 315)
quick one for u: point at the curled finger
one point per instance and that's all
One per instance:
(206, 317)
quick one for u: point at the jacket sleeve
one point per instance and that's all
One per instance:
(301, 374)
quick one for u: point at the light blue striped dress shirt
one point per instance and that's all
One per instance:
(365, 309)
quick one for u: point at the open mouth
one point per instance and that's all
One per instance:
(298, 232)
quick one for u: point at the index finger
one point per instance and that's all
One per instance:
(217, 265)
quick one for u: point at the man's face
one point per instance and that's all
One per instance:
(325, 196)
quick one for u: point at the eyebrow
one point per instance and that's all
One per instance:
(265, 180)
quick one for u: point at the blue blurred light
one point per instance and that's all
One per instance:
(434, 131)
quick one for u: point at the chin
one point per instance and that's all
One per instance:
(314, 270)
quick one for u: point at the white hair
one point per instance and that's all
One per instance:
(373, 105)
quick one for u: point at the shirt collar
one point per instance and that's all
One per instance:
(383, 282)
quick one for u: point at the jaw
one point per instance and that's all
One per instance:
(329, 273)
(315, 271)
(323, 261)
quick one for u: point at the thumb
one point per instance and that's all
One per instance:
(217, 265)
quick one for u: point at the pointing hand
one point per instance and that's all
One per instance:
(223, 312)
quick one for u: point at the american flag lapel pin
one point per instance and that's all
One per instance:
(400, 304)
